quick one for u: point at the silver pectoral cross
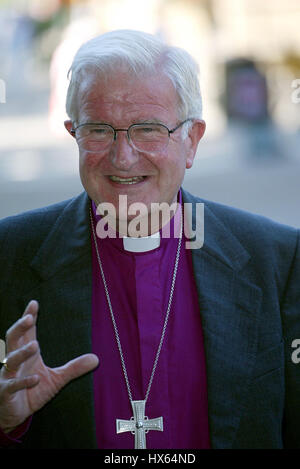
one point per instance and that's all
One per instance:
(139, 425)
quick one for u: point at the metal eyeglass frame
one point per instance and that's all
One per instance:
(73, 131)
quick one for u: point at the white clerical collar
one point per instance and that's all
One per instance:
(146, 243)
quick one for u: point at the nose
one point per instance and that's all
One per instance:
(123, 155)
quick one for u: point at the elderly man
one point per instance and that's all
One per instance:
(166, 344)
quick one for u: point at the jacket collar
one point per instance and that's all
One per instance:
(68, 239)
(218, 240)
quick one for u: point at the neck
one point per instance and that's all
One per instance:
(142, 223)
(145, 225)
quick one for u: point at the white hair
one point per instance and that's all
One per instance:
(141, 53)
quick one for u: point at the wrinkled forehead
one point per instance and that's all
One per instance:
(124, 86)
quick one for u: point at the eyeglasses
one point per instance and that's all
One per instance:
(148, 138)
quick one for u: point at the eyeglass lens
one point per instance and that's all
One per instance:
(146, 137)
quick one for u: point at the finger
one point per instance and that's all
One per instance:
(22, 327)
(18, 384)
(32, 310)
(2, 350)
(15, 359)
(77, 367)
(17, 331)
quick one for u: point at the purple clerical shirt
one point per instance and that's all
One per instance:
(139, 287)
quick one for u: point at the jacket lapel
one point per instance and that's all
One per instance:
(229, 307)
(63, 264)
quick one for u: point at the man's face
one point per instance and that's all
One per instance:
(120, 101)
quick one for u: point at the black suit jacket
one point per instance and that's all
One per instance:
(248, 281)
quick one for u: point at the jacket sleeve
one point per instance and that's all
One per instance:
(291, 332)
(15, 437)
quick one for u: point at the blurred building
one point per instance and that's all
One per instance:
(214, 31)
(249, 57)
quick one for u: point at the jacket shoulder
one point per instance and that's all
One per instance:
(242, 222)
(32, 223)
(271, 245)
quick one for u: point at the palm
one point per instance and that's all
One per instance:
(27, 401)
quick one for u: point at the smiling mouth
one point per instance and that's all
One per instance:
(132, 180)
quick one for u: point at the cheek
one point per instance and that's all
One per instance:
(174, 164)
(88, 161)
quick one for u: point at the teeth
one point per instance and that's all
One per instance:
(132, 180)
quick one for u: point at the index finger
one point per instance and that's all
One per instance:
(2, 350)
(23, 330)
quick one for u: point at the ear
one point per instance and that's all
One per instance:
(195, 134)
(69, 126)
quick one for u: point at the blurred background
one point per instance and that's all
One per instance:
(249, 57)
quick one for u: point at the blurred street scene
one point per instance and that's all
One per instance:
(249, 57)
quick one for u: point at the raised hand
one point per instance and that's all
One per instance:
(26, 383)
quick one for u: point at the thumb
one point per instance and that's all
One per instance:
(77, 367)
